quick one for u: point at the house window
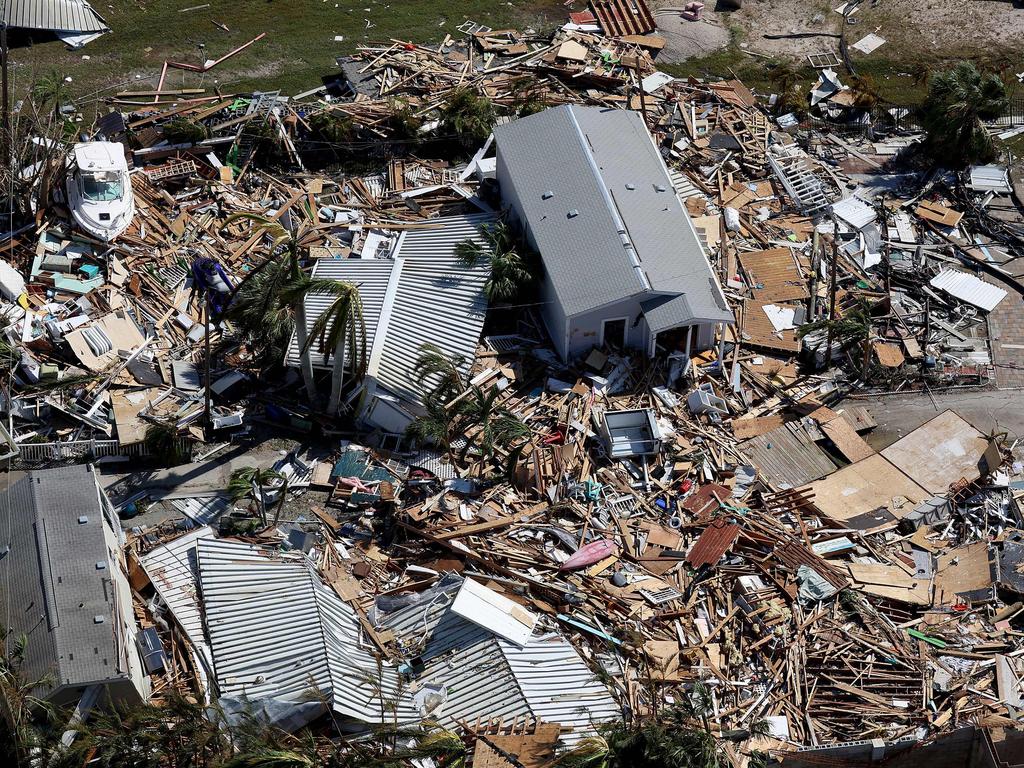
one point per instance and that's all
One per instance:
(613, 333)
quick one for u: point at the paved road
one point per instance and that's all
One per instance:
(897, 415)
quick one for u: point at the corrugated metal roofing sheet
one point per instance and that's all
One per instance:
(714, 542)
(990, 178)
(854, 211)
(278, 632)
(370, 275)
(559, 687)
(789, 456)
(434, 299)
(201, 509)
(174, 570)
(486, 677)
(439, 301)
(57, 15)
(969, 288)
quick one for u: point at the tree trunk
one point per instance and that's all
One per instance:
(280, 503)
(305, 358)
(337, 376)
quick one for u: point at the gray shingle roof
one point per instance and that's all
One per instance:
(602, 165)
(57, 15)
(53, 587)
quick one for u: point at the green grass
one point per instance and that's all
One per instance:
(892, 77)
(298, 50)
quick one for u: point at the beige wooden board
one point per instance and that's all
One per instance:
(939, 452)
(864, 486)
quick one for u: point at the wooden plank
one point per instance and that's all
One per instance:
(491, 525)
(846, 439)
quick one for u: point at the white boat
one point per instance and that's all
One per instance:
(99, 189)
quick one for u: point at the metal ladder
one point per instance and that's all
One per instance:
(805, 189)
(260, 107)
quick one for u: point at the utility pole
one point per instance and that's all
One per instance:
(640, 90)
(812, 309)
(6, 106)
(927, 332)
(207, 411)
(832, 271)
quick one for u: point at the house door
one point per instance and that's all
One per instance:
(613, 333)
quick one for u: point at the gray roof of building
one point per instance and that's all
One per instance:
(602, 165)
(53, 586)
(434, 298)
(57, 15)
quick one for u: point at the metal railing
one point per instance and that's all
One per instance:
(75, 450)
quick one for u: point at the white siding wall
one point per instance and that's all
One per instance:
(585, 329)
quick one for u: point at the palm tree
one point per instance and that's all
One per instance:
(165, 443)
(952, 115)
(264, 320)
(269, 757)
(468, 116)
(673, 738)
(445, 371)
(340, 332)
(488, 426)
(528, 97)
(253, 482)
(178, 734)
(508, 269)
(866, 94)
(21, 709)
(434, 427)
(50, 89)
(852, 329)
(785, 75)
(919, 72)
(263, 307)
(402, 124)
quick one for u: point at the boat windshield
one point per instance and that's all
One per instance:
(102, 186)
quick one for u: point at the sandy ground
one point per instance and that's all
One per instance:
(911, 27)
(688, 39)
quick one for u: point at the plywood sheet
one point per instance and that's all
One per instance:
(774, 275)
(865, 486)
(846, 439)
(939, 452)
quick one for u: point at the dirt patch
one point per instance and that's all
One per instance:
(691, 39)
(933, 28)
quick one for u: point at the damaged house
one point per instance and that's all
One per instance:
(399, 277)
(623, 265)
(69, 596)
